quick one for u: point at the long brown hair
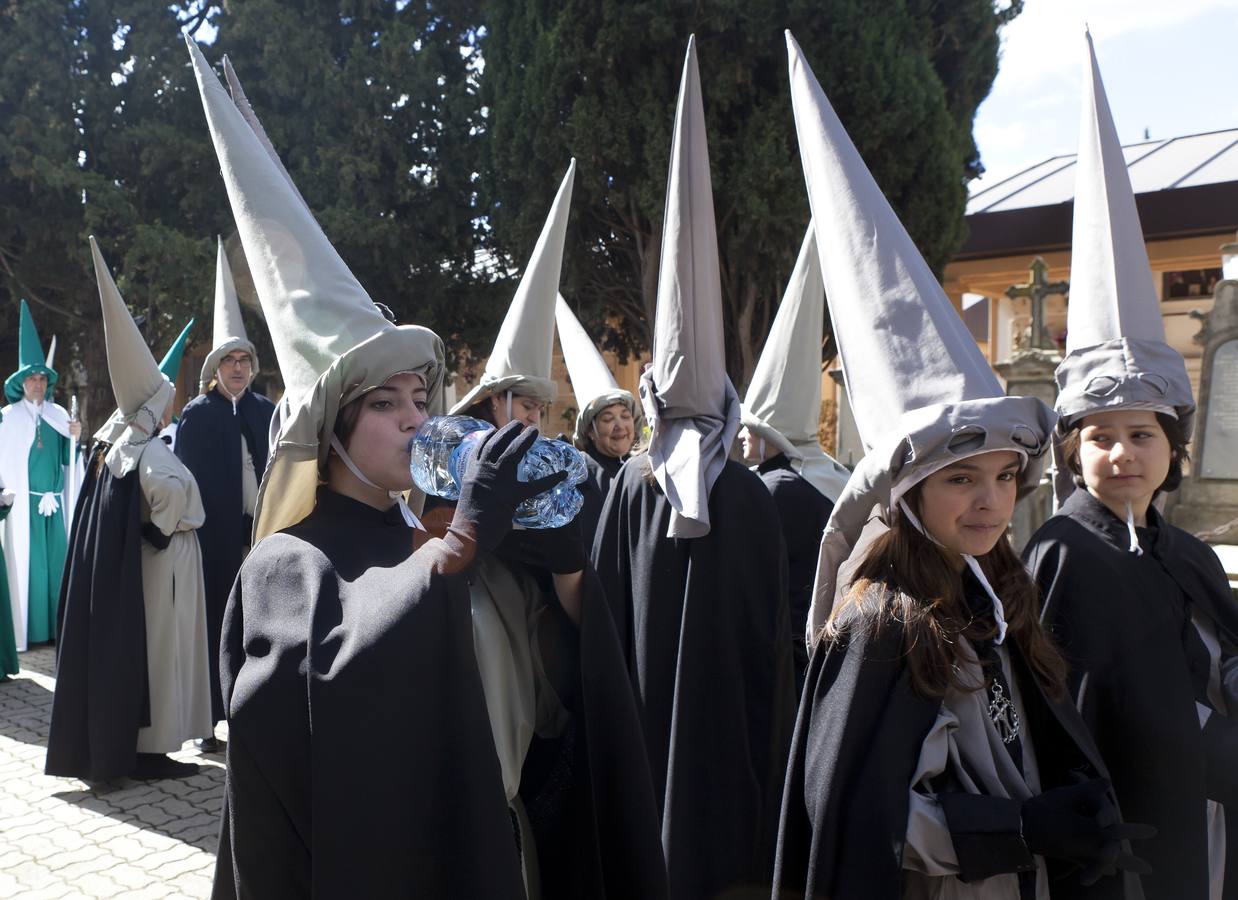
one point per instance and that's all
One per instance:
(908, 580)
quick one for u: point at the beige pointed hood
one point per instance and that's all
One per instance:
(141, 390)
(1116, 353)
(331, 343)
(691, 405)
(229, 328)
(521, 358)
(922, 393)
(592, 382)
(783, 402)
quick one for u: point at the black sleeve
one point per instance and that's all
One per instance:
(1221, 759)
(986, 833)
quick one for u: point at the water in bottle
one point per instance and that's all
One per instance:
(441, 449)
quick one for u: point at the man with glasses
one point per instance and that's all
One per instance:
(222, 439)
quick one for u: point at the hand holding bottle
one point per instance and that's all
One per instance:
(491, 490)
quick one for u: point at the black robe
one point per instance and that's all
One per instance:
(102, 696)
(703, 623)
(361, 761)
(803, 511)
(857, 740)
(602, 472)
(208, 442)
(1123, 623)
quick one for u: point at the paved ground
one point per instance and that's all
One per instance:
(64, 838)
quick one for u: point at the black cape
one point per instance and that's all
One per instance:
(360, 756)
(208, 442)
(857, 740)
(703, 624)
(1121, 620)
(102, 696)
(602, 472)
(803, 511)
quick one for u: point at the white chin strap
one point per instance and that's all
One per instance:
(761, 451)
(1130, 529)
(236, 398)
(509, 406)
(409, 519)
(999, 611)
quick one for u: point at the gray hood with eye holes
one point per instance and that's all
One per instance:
(1116, 353)
(922, 393)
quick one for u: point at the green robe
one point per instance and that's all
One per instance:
(48, 540)
(8, 644)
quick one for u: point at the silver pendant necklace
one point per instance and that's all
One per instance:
(1002, 712)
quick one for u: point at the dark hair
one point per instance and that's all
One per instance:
(346, 419)
(918, 587)
(1175, 433)
(482, 410)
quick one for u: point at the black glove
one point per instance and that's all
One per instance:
(1079, 823)
(155, 537)
(557, 550)
(491, 492)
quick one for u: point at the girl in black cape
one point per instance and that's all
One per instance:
(381, 699)
(936, 753)
(1141, 609)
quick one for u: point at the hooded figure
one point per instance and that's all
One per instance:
(444, 660)
(519, 364)
(689, 550)
(35, 440)
(781, 416)
(893, 792)
(222, 439)
(597, 395)
(1143, 609)
(131, 662)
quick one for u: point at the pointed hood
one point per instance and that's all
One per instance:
(331, 343)
(228, 330)
(783, 403)
(1116, 354)
(592, 382)
(170, 365)
(141, 390)
(30, 358)
(520, 360)
(691, 405)
(922, 393)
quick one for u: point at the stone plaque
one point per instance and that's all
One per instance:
(1219, 458)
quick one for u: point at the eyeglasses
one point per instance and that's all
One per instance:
(243, 362)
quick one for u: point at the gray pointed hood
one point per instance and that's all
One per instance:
(592, 382)
(783, 402)
(142, 392)
(331, 343)
(689, 401)
(521, 357)
(229, 328)
(1116, 353)
(922, 393)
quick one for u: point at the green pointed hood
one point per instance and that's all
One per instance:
(170, 365)
(30, 358)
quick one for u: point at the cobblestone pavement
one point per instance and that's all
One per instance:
(60, 837)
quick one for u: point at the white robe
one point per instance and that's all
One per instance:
(16, 436)
(173, 595)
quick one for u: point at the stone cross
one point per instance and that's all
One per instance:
(1037, 288)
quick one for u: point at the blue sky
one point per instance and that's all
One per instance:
(1168, 66)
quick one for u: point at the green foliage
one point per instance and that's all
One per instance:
(596, 79)
(371, 104)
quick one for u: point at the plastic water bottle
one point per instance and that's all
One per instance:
(443, 445)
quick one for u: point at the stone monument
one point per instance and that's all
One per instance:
(1029, 373)
(1207, 502)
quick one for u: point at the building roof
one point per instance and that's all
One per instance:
(1183, 186)
(1164, 165)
